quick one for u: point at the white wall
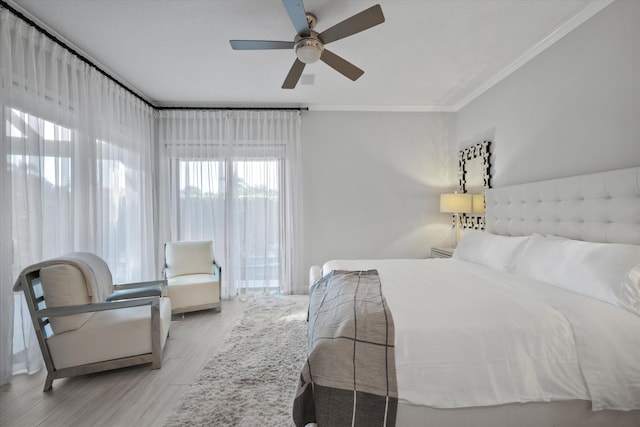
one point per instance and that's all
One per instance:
(372, 183)
(573, 109)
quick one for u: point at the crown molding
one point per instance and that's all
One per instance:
(385, 108)
(585, 14)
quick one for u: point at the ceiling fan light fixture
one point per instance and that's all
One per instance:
(309, 49)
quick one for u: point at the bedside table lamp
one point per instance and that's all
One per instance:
(456, 203)
(478, 204)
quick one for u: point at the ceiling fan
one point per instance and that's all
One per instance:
(309, 45)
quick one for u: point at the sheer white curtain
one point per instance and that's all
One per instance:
(78, 175)
(234, 177)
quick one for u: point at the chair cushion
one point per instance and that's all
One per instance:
(193, 290)
(109, 334)
(188, 258)
(64, 285)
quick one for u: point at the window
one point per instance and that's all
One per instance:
(41, 177)
(234, 177)
(257, 218)
(40, 170)
(237, 203)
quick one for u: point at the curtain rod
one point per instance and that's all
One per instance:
(87, 61)
(236, 108)
(73, 51)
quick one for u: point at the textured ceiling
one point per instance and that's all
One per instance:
(429, 55)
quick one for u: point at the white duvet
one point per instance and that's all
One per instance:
(468, 335)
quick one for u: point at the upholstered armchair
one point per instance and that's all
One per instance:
(193, 277)
(84, 323)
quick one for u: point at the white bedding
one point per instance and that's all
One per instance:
(468, 335)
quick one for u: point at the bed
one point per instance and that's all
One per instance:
(535, 322)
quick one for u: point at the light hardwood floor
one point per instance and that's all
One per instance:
(136, 396)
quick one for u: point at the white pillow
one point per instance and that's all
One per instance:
(191, 257)
(630, 291)
(488, 249)
(598, 270)
(64, 285)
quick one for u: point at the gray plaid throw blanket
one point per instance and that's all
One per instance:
(349, 378)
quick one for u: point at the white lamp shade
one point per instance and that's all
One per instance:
(478, 204)
(456, 203)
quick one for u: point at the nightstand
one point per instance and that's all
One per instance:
(441, 251)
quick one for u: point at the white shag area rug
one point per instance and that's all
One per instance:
(252, 379)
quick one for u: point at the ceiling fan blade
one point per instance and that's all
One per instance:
(294, 75)
(358, 22)
(340, 65)
(298, 16)
(259, 44)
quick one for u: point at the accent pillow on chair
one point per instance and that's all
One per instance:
(64, 285)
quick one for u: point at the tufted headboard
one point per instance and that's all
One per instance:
(597, 207)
